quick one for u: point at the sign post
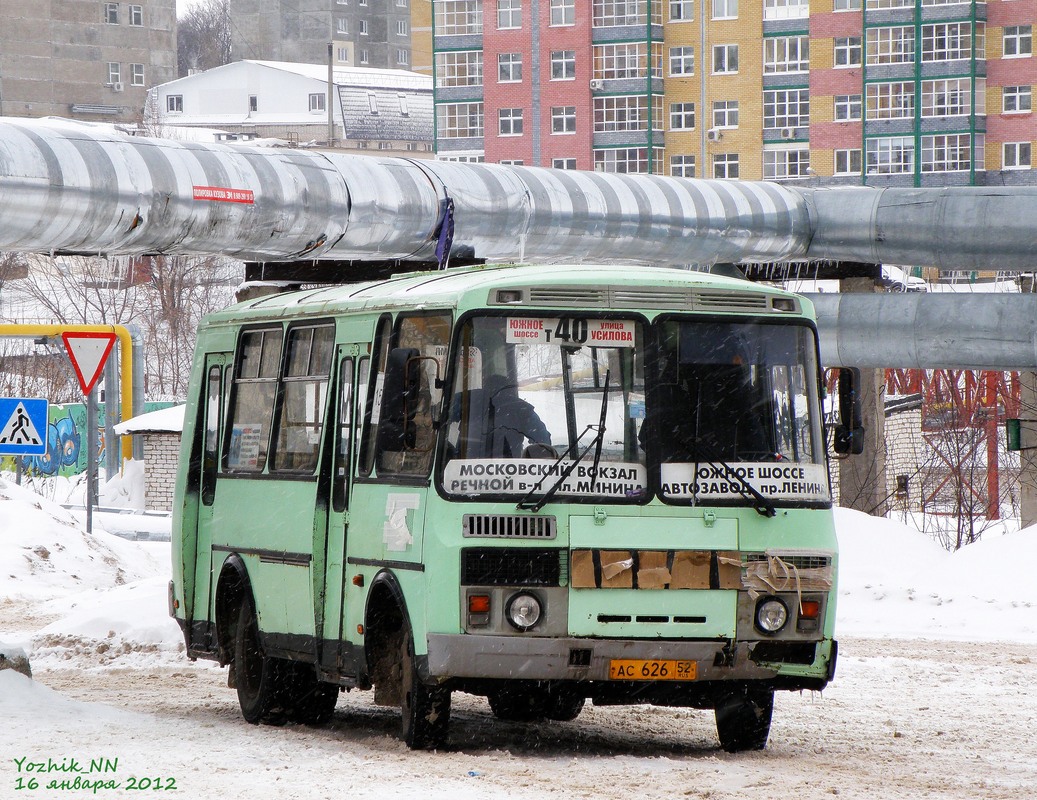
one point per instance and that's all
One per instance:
(88, 351)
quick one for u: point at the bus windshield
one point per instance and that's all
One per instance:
(547, 405)
(737, 396)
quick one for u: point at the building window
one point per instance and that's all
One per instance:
(563, 119)
(317, 102)
(891, 45)
(682, 116)
(786, 108)
(459, 68)
(610, 13)
(509, 14)
(402, 27)
(682, 166)
(681, 10)
(342, 25)
(509, 67)
(363, 27)
(626, 159)
(781, 163)
(725, 114)
(786, 9)
(175, 103)
(890, 100)
(725, 9)
(111, 13)
(1015, 155)
(951, 97)
(372, 103)
(1018, 41)
(364, 55)
(847, 51)
(848, 5)
(628, 60)
(848, 162)
(511, 162)
(785, 54)
(725, 165)
(404, 108)
(509, 121)
(385, 145)
(403, 57)
(458, 17)
(563, 65)
(1016, 100)
(253, 102)
(137, 16)
(875, 5)
(847, 107)
(626, 113)
(893, 155)
(342, 55)
(947, 41)
(725, 59)
(950, 152)
(459, 120)
(136, 74)
(682, 61)
(563, 12)
(114, 73)
(563, 163)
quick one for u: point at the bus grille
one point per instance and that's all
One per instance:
(508, 526)
(511, 567)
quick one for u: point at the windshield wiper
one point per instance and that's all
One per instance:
(596, 443)
(762, 505)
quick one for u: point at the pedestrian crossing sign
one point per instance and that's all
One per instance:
(23, 426)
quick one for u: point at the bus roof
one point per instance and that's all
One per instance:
(584, 286)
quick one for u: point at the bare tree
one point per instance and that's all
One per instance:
(203, 37)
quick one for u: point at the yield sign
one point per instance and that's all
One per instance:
(88, 352)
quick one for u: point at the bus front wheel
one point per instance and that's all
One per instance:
(256, 676)
(744, 718)
(426, 709)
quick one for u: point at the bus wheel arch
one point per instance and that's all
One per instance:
(232, 588)
(384, 616)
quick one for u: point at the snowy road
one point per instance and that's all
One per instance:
(904, 719)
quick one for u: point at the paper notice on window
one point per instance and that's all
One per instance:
(571, 331)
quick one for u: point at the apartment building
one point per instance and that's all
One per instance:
(882, 92)
(84, 59)
(362, 33)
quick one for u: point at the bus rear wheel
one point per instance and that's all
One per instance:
(425, 709)
(743, 717)
(257, 677)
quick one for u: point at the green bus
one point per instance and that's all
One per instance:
(539, 484)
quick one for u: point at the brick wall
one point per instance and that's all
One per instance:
(161, 454)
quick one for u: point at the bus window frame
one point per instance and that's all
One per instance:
(379, 354)
(225, 469)
(346, 401)
(442, 446)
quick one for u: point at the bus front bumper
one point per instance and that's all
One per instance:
(533, 658)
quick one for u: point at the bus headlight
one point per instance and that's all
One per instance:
(523, 611)
(771, 614)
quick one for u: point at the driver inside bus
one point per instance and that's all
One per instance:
(499, 422)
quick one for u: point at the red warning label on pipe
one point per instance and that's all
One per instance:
(223, 194)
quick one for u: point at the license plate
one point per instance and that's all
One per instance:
(651, 670)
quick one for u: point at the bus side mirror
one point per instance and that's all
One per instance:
(400, 400)
(849, 431)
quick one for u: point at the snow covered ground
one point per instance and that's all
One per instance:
(933, 697)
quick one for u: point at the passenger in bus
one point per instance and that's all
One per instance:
(499, 422)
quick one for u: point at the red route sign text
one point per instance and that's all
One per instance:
(222, 194)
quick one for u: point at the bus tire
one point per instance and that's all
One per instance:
(743, 717)
(564, 705)
(425, 709)
(307, 699)
(257, 677)
(519, 703)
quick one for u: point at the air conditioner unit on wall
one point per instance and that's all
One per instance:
(714, 135)
(597, 84)
(787, 133)
(117, 86)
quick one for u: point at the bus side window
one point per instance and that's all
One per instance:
(304, 394)
(252, 401)
(345, 436)
(373, 396)
(210, 452)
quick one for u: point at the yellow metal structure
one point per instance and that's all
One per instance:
(125, 360)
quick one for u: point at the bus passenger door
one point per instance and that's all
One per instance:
(335, 654)
(210, 418)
